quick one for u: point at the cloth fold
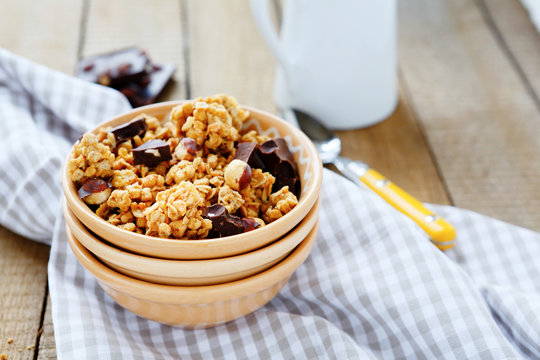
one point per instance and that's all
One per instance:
(374, 287)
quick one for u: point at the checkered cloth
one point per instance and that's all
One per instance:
(373, 287)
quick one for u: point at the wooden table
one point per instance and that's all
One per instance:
(466, 131)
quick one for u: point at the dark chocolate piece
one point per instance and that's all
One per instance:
(292, 183)
(190, 145)
(152, 153)
(223, 223)
(92, 186)
(129, 130)
(276, 151)
(114, 68)
(250, 224)
(279, 161)
(249, 152)
(130, 72)
(147, 89)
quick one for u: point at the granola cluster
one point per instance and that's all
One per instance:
(181, 176)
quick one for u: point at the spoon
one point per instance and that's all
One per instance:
(328, 145)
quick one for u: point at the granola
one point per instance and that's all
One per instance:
(164, 177)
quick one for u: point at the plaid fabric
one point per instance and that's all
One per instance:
(373, 287)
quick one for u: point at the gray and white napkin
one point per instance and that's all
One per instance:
(374, 287)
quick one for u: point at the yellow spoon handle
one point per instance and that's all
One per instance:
(439, 230)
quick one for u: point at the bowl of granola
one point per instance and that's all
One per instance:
(190, 272)
(197, 179)
(194, 306)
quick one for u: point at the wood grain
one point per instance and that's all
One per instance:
(481, 122)
(396, 147)
(153, 26)
(227, 54)
(47, 347)
(44, 31)
(518, 36)
(23, 265)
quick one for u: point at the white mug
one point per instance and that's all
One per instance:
(337, 59)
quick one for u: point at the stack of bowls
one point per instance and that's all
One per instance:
(199, 283)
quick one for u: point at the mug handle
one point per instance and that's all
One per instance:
(261, 13)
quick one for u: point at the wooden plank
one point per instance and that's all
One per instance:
(156, 28)
(395, 147)
(517, 35)
(47, 348)
(23, 265)
(480, 120)
(46, 32)
(227, 54)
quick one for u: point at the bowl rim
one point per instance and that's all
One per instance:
(194, 294)
(305, 200)
(184, 268)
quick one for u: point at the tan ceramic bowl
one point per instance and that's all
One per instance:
(194, 306)
(309, 166)
(191, 272)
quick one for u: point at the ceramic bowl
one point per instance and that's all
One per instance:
(191, 272)
(309, 166)
(194, 306)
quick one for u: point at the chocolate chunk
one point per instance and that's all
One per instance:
(276, 151)
(146, 90)
(223, 223)
(152, 153)
(279, 161)
(250, 224)
(114, 68)
(129, 130)
(128, 71)
(190, 145)
(292, 183)
(249, 152)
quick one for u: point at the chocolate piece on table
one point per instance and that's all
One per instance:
(279, 161)
(147, 89)
(152, 153)
(249, 152)
(223, 223)
(114, 68)
(129, 130)
(95, 191)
